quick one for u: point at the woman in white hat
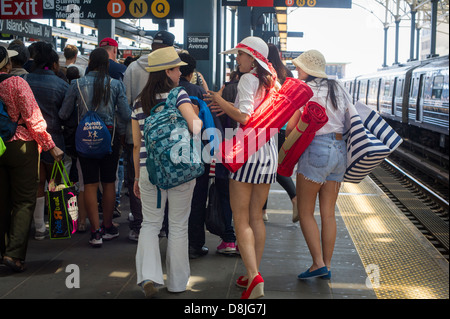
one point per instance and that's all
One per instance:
(249, 186)
(164, 66)
(322, 166)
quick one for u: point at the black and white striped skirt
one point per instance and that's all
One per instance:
(261, 167)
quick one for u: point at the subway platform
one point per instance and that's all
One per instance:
(109, 272)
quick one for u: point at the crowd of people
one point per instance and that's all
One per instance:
(48, 100)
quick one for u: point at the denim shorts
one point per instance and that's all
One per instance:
(325, 159)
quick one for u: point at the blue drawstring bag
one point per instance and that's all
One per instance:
(92, 137)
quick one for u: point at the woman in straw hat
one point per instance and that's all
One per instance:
(321, 167)
(164, 66)
(249, 186)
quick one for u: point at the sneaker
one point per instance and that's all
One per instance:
(149, 288)
(133, 235)
(96, 239)
(226, 248)
(110, 233)
(265, 216)
(40, 235)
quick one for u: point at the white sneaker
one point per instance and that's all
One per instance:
(132, 235)
(96, 239)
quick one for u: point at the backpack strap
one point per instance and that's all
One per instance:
(81, 94)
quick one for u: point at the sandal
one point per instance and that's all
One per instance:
(14, 263)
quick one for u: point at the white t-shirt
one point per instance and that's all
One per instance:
(247, 100)
(336, 117)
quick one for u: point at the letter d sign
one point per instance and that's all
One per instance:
(116, 8)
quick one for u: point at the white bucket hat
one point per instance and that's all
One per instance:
(312, 62)
(255, 47)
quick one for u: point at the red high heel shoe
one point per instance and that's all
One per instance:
(242, 283)
(256, 289)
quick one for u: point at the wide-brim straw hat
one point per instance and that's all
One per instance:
(255, 47)
(163, 59)
(312, 62)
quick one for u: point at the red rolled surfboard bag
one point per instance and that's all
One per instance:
(313, 118)
(273, 113)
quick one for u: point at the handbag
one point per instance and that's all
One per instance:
(214, 219)
(369, 141)
(62, 205)
(2, 147)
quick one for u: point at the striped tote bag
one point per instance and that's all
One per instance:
(369, 141)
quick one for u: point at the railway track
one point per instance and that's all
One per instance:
(423, 205)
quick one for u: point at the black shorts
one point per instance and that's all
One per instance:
(104, 169)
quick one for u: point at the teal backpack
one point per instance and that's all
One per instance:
(172, 156)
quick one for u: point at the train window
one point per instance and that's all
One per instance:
(387, 88)
(413, 86)
(399, 88)
(438, 85)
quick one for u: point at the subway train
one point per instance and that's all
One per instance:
(413, 98)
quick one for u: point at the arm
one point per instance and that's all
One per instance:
(188, 112)
(32, 116)
(219, 105)
(69, 102)
(292, 122)
(137, 136)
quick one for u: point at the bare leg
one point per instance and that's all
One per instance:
(327, 198)
(307, 194)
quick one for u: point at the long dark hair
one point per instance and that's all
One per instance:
(45, 57)
(274, 57)
(265, 77)
(158, 82)
(99, 61)
(332, 87)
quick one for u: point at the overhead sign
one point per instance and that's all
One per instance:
(290, 55)
(91, 9)
(27, 29)
(198, 45)
(345, 4)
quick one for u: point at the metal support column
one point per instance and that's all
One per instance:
(244, 23)
(418, 42)
(434, 8)
(397, 38)
(386, 28)
(200, 19)
(106, 28)
(412, 38)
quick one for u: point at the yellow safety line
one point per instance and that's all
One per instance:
(400, 263)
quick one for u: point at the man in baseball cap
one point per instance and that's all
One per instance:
(116, 70)
(162, 39)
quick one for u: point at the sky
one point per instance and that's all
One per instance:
(354, 36)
